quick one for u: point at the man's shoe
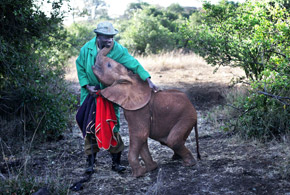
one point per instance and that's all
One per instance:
(91, 162)
(116, 163)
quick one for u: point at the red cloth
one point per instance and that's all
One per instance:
(105, 122)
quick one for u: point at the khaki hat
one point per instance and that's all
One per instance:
(106, 28)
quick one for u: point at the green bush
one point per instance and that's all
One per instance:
(33, 55)
(153, 29)
(253, 115)
(78, 35)
(254, 36)
(145, 34)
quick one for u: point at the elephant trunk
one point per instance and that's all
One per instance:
(105, 50)
(98, 70)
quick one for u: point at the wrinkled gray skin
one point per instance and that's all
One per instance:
(165, 116)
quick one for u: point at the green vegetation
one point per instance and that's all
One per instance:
(254, 36)
(151, 29)
(34, 97)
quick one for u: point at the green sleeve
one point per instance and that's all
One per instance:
(130, 62)
(81, 69)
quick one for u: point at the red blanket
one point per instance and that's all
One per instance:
(105, 123)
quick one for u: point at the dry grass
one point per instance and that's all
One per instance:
(174, 68)
(171, 60)
(71, 71)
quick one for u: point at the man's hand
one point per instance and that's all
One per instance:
(92, 90)
(151, 85)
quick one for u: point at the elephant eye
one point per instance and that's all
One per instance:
(109, 65)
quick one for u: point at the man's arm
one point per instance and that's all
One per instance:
(121, 55)
(82, 75)
(133, 64)
(81, 70)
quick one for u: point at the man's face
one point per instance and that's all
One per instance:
(105, 40)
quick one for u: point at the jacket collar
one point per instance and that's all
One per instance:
(93, 49)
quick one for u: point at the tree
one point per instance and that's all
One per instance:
(93, 9)
(32, 89)
(152, 30)
(175, 7)
(132, 7)
(256, 37)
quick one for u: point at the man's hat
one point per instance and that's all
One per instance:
(106, 28)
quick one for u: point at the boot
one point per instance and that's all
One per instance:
(116, 163)
(90, 162)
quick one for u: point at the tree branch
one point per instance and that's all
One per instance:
(279, 98)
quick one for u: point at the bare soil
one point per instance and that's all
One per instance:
(229, 165)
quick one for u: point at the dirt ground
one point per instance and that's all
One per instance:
(229, 165)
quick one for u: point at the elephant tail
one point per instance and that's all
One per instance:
(196, 139)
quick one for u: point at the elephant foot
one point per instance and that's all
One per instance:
(151, 167)
(139, 172)
(189, 162)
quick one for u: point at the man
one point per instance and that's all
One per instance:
(89, 86)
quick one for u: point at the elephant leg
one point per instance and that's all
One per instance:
(147, 158)
(133, 157)
(185, 154)
(176, 141)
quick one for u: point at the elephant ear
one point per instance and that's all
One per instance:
(131, 93)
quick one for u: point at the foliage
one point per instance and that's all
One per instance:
(254, 36)
(132, 7)
(235, 35)
(78, 35)
(32, 58)
(152, 30)
(145, 34)
(93, 9)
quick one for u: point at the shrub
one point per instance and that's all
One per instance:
(33, 93)
(253, 115)
(254, 36)
(78, 35)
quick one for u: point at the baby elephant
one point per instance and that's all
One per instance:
(165, 116)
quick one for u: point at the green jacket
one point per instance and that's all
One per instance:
(87, 58)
